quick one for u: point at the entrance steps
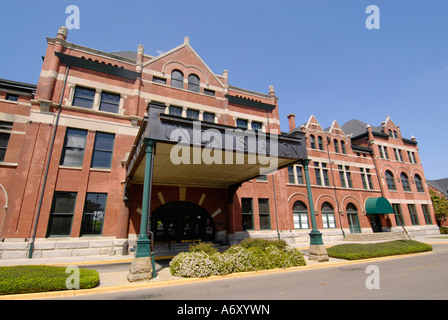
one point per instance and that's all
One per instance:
(380, 236)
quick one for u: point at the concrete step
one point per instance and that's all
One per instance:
(380, 236)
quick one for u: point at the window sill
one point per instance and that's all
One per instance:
(101, 169)
(69, 167)
(8, 164)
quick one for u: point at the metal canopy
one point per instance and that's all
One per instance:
(233, 159)
(378, 206)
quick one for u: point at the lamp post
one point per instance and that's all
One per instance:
(142, 265)
(317, 248)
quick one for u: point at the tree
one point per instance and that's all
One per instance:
(440, 207)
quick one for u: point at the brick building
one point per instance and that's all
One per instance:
(78, 148)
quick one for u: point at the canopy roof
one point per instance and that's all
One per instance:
(378, 206)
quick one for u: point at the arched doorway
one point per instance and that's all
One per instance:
(352, 217)
(182, 222)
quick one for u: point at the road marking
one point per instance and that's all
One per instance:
(425, 266)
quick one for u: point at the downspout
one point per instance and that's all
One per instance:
(273, 182)
(47, 166)
(334, 186)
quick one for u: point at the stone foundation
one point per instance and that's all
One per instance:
(51, 248)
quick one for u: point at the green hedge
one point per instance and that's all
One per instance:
(250, 255)
(39, 278)
(355, 251)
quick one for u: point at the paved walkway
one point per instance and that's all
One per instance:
(117, 280)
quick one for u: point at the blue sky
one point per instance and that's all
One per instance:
(318, 54)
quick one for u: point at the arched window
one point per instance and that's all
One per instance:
(193, 83)
(418, 183)
(405, 182)
(321, 144)
(390, 181)
(328, 215)
(300, 215)
(395, 134)
(177, 79)
(336, 145)
(343, 147)
(312, 141)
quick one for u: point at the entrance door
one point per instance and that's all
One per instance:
(352, 217)
(182, 222)
(375, 222)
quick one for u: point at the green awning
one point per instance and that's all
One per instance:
(378, 206)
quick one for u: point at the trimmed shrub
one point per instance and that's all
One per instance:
(206, 247)
(39, 278)
(253, 255)
(355, 251)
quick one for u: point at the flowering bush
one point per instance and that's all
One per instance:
(238, 258)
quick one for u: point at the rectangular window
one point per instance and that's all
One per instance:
(175, 111)
(263, 209)
(84, 97)
(103, 150)
(158, 80)
(262, 178)
(247, 213)
(241, 123)
(349, 177)
(12, 97)
(110, 102)
(345, 176)
(4, 138)
(94, 211)
(256, 125)
(398, 215)
(342, 176)
(325, 174)
(317, 173)
(209, 92)
(208, 117)
(369, 179)
(363, 179)
(413, 214)
(62, 211)
(411, 157)
(291, 175)
(426, 214)
(74, 145)
(192, 114)
(299, 175)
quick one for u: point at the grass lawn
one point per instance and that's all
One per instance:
(355, 251)
(38, 278)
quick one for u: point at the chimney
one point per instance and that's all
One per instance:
(291, 121)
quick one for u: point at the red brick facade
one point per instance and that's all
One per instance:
(114, 91)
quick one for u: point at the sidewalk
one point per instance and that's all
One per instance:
(117, 280)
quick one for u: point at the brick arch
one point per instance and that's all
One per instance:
(169, 66)
(325, 198)
(355, 201)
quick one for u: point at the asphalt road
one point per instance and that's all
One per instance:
(421, 277)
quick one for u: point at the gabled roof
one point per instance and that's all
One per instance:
(441, 184)
(186, 44)
(356, 127)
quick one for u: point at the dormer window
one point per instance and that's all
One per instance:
(193, 83)
(177, 79)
